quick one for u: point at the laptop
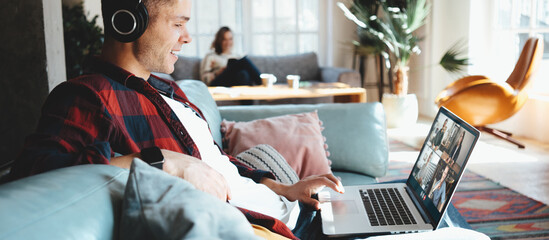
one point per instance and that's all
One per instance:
(415, 206)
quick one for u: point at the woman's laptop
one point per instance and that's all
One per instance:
(414, 206)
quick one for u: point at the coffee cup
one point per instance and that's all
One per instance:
(267, 79)
(293, 81)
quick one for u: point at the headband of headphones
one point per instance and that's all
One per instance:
(126, 20)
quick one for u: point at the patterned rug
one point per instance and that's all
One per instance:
(488, 207)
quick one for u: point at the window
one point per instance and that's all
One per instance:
(260, 27)
(517, 20)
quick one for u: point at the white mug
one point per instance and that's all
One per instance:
(268, 79)
(293, 81)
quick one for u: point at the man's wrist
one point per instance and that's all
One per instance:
(277, 187)
(153, 156)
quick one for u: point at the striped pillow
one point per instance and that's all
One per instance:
(264, 157)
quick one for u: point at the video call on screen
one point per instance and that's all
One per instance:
(441, 160)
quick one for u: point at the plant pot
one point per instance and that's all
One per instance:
(400, 110)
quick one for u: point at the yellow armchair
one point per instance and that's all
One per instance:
(480, 100)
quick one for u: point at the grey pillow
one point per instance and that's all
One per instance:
(265, 157)
(160, 206)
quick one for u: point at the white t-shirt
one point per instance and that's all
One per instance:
(245, 192)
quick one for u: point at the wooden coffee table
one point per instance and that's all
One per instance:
(341, 92)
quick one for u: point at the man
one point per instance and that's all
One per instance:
(119, 111)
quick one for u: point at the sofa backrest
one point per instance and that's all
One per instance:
(198, 94)
(355, 132)
(305, 65)
(187, 68)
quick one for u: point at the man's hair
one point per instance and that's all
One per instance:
(217, 44)
(109, 6)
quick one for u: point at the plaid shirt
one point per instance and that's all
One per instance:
(88, 119)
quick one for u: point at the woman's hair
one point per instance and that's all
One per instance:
(217, 44)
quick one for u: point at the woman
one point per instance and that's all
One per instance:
(221, 67)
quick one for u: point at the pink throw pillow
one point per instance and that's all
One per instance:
(298, 138)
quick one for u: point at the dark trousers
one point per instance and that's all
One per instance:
(239, 72)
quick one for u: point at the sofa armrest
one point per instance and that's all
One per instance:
(355, 132)
(344, 75)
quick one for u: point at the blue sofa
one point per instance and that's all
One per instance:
(84, 202)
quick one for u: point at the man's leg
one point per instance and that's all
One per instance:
(309, 224)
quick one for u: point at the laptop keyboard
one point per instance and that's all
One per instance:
(386, 207)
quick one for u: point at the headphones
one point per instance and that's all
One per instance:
(128, 20)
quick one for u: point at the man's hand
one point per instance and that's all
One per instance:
(305, 188)
(197, 172)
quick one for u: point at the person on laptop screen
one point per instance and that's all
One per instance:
(414, 206)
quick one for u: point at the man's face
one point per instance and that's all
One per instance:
(157, 48)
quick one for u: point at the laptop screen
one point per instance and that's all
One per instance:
(441, 162)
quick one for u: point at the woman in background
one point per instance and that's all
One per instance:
(221, 67)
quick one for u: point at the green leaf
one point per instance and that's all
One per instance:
(451, 60)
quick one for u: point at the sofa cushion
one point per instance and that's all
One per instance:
(355, 132)
(305, 65)
(160, 206)
(353, 179)
(187, 68)
(298, 137)
(198, 94)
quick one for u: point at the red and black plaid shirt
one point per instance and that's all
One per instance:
(88, 119)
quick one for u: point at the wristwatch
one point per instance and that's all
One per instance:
(153, 156)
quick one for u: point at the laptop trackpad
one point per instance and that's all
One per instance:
(343, 207)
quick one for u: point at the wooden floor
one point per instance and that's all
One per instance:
(523, 170)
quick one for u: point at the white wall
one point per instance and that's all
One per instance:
(343, 33)
(448, 23)
(55, 50)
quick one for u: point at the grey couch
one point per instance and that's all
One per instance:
(306, 65)
(84, 202)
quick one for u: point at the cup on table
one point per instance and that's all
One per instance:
(267, 79)
(293, 81)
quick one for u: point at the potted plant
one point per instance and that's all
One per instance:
(388, 28)
(83, 38)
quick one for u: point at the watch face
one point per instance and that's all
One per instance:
(153, 156)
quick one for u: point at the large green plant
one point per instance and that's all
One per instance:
(389, 29)
(83, 39)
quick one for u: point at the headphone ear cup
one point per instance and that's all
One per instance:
(127, 25)
(143, 19)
